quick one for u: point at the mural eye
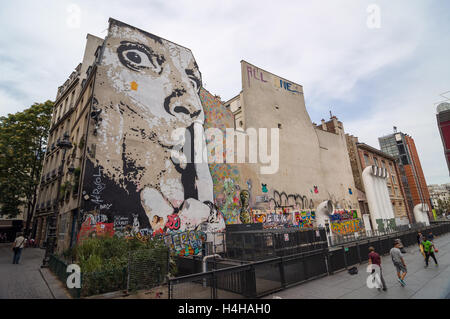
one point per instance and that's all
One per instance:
(136, 57)
(136, 60)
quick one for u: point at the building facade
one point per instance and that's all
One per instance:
(59, 186)
(313, 160)
(402, 147)
(153, 153)
(443, 121)
(440, 194)
(363, 156)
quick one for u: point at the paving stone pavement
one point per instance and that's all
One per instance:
(26, 280)
(423, 283)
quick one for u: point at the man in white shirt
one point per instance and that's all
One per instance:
(17, 247)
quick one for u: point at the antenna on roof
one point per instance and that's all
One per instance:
(446, 98)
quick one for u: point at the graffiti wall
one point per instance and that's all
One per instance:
(344, 222)
(225, 176)
(279, 219)
(141, 171)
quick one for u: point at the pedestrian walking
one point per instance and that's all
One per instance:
(399, 262)
(375, 259)
(419, 238)
(430, 236)
(17, 247)
(429, 249)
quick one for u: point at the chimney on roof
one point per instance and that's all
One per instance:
(324, 125)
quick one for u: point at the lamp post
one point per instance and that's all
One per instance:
(64, 144)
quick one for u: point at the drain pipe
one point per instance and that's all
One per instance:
(204, 265)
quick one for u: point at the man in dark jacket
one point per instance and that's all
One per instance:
(375, 259)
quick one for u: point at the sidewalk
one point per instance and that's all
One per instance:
(27, 280)
(423, 283)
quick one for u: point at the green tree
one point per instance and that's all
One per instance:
(23, 139)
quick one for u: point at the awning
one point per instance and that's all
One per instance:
(6, 223)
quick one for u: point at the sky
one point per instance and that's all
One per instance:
(374, 64)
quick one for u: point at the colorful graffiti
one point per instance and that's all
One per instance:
(342, 214)
(345, 222)
(185, 243)
(95, 225)
(346, 227)
(225, 176)
(244, 215)
(305, 219)
(280, 219)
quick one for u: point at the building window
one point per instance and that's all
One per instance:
(390, 190)
(366, 159)
(375, 160)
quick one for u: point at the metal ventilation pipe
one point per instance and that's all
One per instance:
(204, 265)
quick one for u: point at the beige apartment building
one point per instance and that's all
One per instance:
(69, 118)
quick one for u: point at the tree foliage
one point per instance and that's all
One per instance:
(23, 138)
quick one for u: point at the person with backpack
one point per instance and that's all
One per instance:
(429, 250)
(17, 247)
(399, 262)
(375, 259)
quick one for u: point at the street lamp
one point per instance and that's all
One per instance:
(65, 145)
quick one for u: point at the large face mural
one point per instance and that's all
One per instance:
(147, 96)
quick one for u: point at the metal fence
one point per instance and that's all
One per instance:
(253, 280)
(336, 240)
(271, 243)
(256, 279)
(145, 269)
(59, 268)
